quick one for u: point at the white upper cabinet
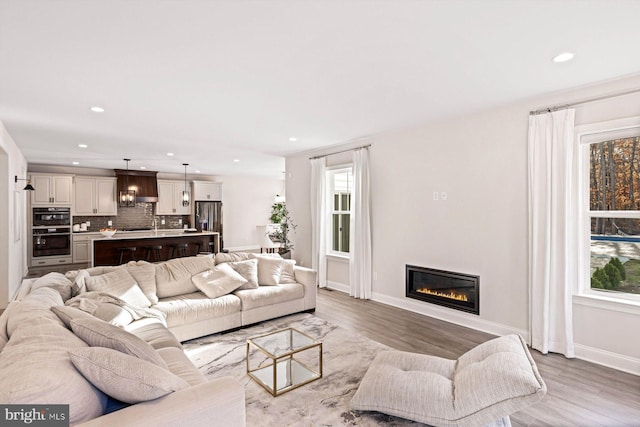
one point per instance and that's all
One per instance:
(170, 198)
(51, 190)
(207, 191)
(95, 196)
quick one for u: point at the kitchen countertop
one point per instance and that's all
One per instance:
(124, 235)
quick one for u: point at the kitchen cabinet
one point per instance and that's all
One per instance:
(51, 190)
(170, 198)
(207, 191)
(81, 244)
(95, 196)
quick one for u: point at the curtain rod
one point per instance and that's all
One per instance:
(338, 152)
(586, 101)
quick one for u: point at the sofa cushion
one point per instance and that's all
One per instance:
(269, 295)
(34, 306)
(4, 335)
(120, 284)
(124, 377)
(35, 367)
(269, 270)
(114, 314)
(222, 257)
(288, 274)
(145, 275)
(174, 277)
(67, 314)
(155, 334)
(180, 365)
(195, 307)
(218, 281)
(56, 281)
(98, 333)
(248, 269)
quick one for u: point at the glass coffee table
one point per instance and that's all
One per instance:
(284, 360)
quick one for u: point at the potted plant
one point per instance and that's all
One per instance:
(283, 222)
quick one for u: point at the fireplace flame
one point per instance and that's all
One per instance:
(451, 295)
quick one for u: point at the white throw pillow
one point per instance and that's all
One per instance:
(288, 274)
(67, 314)
(247, 269)
(120, 284)
(125, 377)
(218, 281)
(269, 270)
(98, 333)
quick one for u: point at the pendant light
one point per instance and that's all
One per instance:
(128, 196)
(186, 197)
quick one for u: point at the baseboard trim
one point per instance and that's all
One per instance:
(609, 359)
(451, 316)
(338, 286)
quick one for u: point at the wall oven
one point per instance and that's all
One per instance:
(51, 234)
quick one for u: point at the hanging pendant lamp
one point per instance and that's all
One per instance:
(186, 197)
(127, 197)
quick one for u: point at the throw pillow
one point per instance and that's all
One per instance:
(124, 377)
(67, 314)
(120, 284)
(222, 257)
(269, 270)
(288, 274)
(145, 275)
(218, 281)
(98, 333)
(55, 281)
(247, 269)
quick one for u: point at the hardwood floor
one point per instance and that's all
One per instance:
(579, 393)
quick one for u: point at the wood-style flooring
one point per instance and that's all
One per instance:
(579, 393)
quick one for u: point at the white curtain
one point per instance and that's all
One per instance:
(360, 225)
(319, 219)
(553, 230)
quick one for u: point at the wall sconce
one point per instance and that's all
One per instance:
(128, 196)
(186, 197)
(27, 187)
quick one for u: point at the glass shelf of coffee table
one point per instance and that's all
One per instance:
(284, 360)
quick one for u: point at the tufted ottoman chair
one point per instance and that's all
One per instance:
(484, 386)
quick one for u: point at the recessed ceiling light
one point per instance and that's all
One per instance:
(75, 163)
(97, 109)
(169, 154)
(82, 145)
(197, 171)
(236, 160)
(293, 139)
(143, 167)
(563, 57)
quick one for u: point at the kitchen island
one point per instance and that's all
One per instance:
(106, 250)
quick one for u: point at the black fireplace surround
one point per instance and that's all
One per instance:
(454, 290)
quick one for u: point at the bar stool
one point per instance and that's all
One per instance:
(153, 252)
(178, 250)
(130, 251)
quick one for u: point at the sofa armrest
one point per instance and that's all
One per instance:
(217, 402)
(309, 279)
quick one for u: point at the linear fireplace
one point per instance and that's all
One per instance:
(455, 290)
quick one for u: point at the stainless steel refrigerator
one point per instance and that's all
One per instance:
(209, 218)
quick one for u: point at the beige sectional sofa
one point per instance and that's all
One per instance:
(109, 337)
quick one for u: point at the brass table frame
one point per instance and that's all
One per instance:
(285, 357)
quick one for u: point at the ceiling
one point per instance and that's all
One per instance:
(218, 81)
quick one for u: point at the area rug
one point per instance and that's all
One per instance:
(325, 402)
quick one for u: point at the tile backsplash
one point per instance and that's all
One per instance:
(139, 216)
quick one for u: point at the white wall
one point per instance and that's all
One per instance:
(480, 161)
(13, 252)
(246, 204)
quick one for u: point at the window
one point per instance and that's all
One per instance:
(340, 182)
(611, 199)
